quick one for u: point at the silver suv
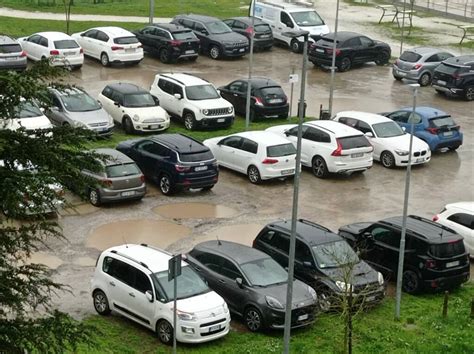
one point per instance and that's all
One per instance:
(12, 57)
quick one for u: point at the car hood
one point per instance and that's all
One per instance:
(40, 122)
(316, 30)
(201, 303)
(212, 103)
(229, 37)
(361, 274)
(301, 295)
(402, 142)
(280, 129)
(89, 117)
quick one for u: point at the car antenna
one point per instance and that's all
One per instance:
(125, 241)
(219, 243)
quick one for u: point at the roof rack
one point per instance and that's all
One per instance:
(172, 78)
(307, 222)
(420, 218)
(323, 127)
(155, 248)
(130, 258)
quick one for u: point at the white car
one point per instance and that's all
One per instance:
(59, 47)
(460, 218)
(194, 100)
(27, 115)
(133, 281)
(391, 143)
(258, 154)
(110, 45)
(329, 147)
(134, 108)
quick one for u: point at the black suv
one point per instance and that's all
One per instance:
(174, 161)
(323, 260)
(170, 42)
(435, 256)
(455, 77)
(351, 48)
(217, 39)
(263, 38)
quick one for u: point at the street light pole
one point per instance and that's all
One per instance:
(152, 11)
(403, 26)
(333, 62)
(401, 256)
(249, 86)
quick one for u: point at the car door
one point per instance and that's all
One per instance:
(201, 32)
(178, 104)
(234, 295)
(231, 91)
(304, 262)
(405, 120)
(167, 101)
(160, 38)
(154, 158)
(146, 38)
(276, 245)
(32, 47)
(246, 155)
(292, 135)
(115, 106)
(316, 142)
(382, 248)
(99, 44)
(140, 305)
(462, 223)
(56, 112)
(284, 24)
(43, 48)
(226, 150)
(352, 48)
(87, 41)
(369, 51)
(377, 143)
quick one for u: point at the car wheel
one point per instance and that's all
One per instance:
(192, 58)
(104, 59)
(424, 79)
(319, 167)
(345, 64)
(94, 197)
(296, 46)
(324, 303)
(164, 330)
(469, 93)
(453, 148)
(253, 174)
(189, 121)
(439, 92)
(253, 319)
(387, 159)
(208, 188)
(165, 184)
(101, 303)
(164, 55)
(215, 52)
(411, 282)
(398, 78)
(382, 58)
(128, 125)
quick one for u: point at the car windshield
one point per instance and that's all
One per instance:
(272, 90)
(410, 57)
(184, 35)
(66, 44)
(262, 28)
(353, 142)
(201, 92)
(445, 121)
(307, 18)
(10, 48)
(264, 272)
(218, 27)
(447, 69)
(334, 254)
(122, 170)
(198, 156)
(387, 129)
(126, 40)
(189, 284)
(27, 110)
(79, 102)
(138, 100)
(281, 150)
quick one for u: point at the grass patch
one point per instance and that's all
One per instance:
(465, 44)
(417, 36)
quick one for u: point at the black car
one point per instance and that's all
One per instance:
(323, 260)
(170, 42)
(267, 97)
(435, 257)
(174, 161)
(252, 284)
(263, 38)
(217, 39)
(455, 77)
(351, 48)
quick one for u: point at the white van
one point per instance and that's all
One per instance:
(290, 17)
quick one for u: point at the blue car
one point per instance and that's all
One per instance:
(432, 125)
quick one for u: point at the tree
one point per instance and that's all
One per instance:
(57, 155)
(67, 10)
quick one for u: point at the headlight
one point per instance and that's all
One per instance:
(401, 152)
(344, 286)
(380, 276)
(111, 120)
(205, 112)
(186, 316)
(136, 118)
(313, 293)
(78, 124)
(273, 303)
(230, 109)
(226, 309)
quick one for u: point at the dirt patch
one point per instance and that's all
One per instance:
(46, 259)
(242, 233)
(194, 211)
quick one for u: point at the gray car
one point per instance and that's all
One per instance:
(75, 107)
(120, 179)
(419, 64)
(12, 56)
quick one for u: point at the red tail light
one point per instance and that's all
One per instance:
(338, 151)
(417, 66)
(436, 218)
(175, 43)
(142, 178)
(81, 51)
(54, 52)
(269, 161)
(430, 263)
(23, 54)
(181, 168)
(456, 76)
(434, 131)
(249, 30)
(115, 47)
(106, 182)
(329, 51)
(397, 62)
(254, 243)
(258, 101)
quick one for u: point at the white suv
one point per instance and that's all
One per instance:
(194, 100)
(133, 281)
(329, 147)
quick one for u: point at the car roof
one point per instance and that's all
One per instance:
(185, 79)
(248, 20)
(66, 90)
(263, 137)
(201, 18)
(53, 35)
(427, 112)
(237, 252)
(172, 27)
(314, 234)
(425, 50)
(154, 259)
(259, 82)
(464, 206)
(338, 129)
(179, 142)
(460, 60)
(370, 118)
(4, 40)
(127, 88)
(342, 35)
(113, 31)
(116, 157)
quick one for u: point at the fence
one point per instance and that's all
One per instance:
(457, 9)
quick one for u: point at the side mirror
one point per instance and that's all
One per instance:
(100, 103)
(404, 129)
(239, 282)
(369, 135)
(117, 104)
(289, 24)
(204, 32)
(157, 101)
(42, 109)
(286, 132)
(149, 295)
(368, 236)
(307, 264)
(82, 34)
(177, 96)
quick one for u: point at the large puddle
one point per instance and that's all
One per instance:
(194, 211)
(46, 259)
(157, 233)
(242, 233)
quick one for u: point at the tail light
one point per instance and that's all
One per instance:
(115, 47)
(430, 263)
(258, 101)
(312, 46)
(181, 168)
(397, 62)
(142, 178)
(175, 43)
(269, 161)
(106, 182)
(81, 51)
(329, 51)
(456, 76)
(23, 54)
(338, 151)
(436, 218)
(54, 52)
(249, 30)
(434, 131)
(254, 243)
(417, 66)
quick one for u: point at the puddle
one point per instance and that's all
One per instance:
(157, 233)
(84, 261)
(242, 233)
(194, 211)
(81, 209)
(48, 260)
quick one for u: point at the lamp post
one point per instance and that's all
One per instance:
(401, 256)
(294, 213)
(249, 85)
(333, 61)
(403, 26)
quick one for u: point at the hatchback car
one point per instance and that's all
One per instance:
(455, 77)
(132, 280)
(263, 34)
(27, 115)
(323, 260)
(60, 48)
(134, 108)
(268, 100)
(170, 42)
(75, 107)
(174, 161)
(435, 256)
(110, 45)
(351, 48)
(253, 284)
(431, 125)
(391, 143)
(419, 64)
(260, 155)
(12, 56)
(329, 147)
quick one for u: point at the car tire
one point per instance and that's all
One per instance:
(411, 282)
(439, 92)
(253, 319)
(296, 46)
(215, 52)
(101, 303)
(165, 184)
(345, 64)
(165, 56)
(324, 302)
(382, 58)
(469, 93)
(164, 331)
(94, 197)
(425, 79)
(104, 59)
(128, 125)
(398, 78)
(387, 159)
(208, 188)
(319, 167)
(189, 121)
(453, 148)
(253, 174)
(192, 59)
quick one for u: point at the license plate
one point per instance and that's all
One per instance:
(288, 172)
(359, 154)
(242, 50)
(214, 328)
(303, 317)
(421, 159)
(69, 53)
(275, 100)
(221, 120)
(441, 82)
(155, 126)
(127, 194)
(200, 168)
(450, 133)
(320, 50)
(189, 52)
(401, 73)
(265, 36)
(129, 50)
(452, 264)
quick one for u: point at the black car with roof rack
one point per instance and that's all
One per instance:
(455, 77)
(435, 256)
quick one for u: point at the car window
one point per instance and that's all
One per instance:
(387, 129)
(236, 86)
(201, 92)
(285, 19)
(264, 272)
(189, 283)
(302, 252)
(229, 270)
(43, 42)
(101, 36)
(386, 236)
(196, 156)
(119, 270)
(444, 56)
(77, 101)
(147, 30)
(232, 141)
(116, 97)
(281, 150)
(199, 27)
(353, 142)
(218, 27)
(281, 242)
(10, 48)
(353, 42)
(66, 44)
(143, 99)
(363, 127)
(186, 23)
(463, 219)
(262, 27)
(240, 25)
(365, 41)
(165, 86)
(126, 40)
(142, 282)
(444, 121)
(155, 149)
(122, 170)
(400, 116)
(410, 56)
(351, 122)
(91, 34)
(210, 260)
(34, 39)
(177, 89)
(432, 59)
(184, 35)
(294, 131)
(307, 18)
(447, 250)
(250, 146)
(56, 102)
(334, 254)
(229, 22)
(317, 135)
(107, 92)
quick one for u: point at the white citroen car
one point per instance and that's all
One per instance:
(391, 143)
(27, 115)
(259, 154)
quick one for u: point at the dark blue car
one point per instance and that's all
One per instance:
(432, 125)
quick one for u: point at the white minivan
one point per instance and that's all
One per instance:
(290, 17)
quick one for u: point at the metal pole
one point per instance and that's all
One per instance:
(403, 26)
(333, 62)
(175, 286)
(401, 256)
(291, 93)
(249, 86)
(152, 11)
(294, 214)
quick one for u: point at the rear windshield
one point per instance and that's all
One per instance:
(122, 170)
(66, 44)
(275, 90)
(447, 250)
(126, 40)
(410, 57)
(27, 109)
(196, 156)
(448, 69)
(10, 48)
(442, 122)
(281, 150)
(262, 28)
(184, 35)
(353, 142)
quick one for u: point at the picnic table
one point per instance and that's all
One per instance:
(466, 29)
(396, 12)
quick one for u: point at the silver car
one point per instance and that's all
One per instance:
(12, 56)
(418, 64)
(75, 107)
(120, 179)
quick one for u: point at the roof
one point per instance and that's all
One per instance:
(127, 88)
(248, 20)
(171, 27)
(425, 50)
(180, 143)
(263, 137)
(154, 259)
(115, 156)
(338, 129)
(287, 6)
(464, 206)
(4, 40)
(427, 112)
(237, 252)
(185, 79)
(312, 233)
(342, 35)
(113, 31)
(201, 18)
(460, 60)
(370, 118)
(259, 82)
(54, 35)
